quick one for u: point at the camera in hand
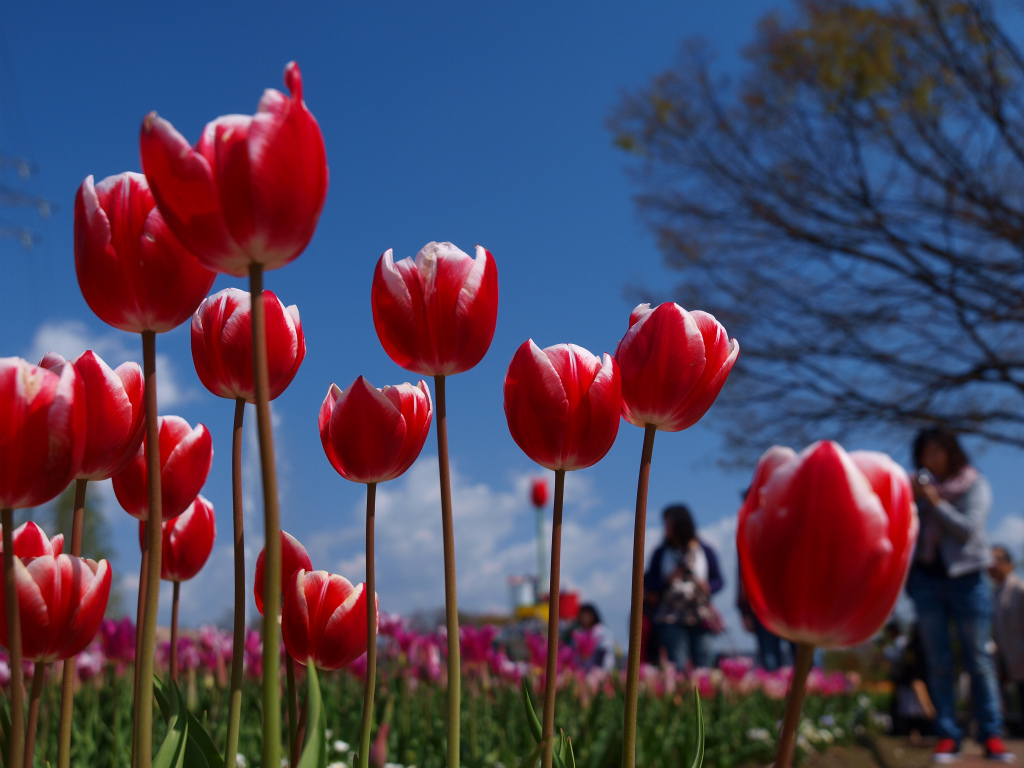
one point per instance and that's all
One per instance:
(924, 477)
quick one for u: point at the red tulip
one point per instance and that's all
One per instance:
(134, 274)
(251, 189)
(372, 435)
(674, 364)
(562, 404)
(61, 601)
(825, 541)
(115, 412)
(539, 492)
(42, 432)
(323, 619)
(185, 458)
(436, 315)
(30, 541)
(293, 558)
(222, 343)
(187, 541)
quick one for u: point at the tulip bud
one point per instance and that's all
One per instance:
(436, 315)
(187, 541)
(222, 344)
(293, 558)
(252, 188)
(539, 492)
(673, 364)
(134, 274)
(371, 435)
(824, 541)
(562, 404)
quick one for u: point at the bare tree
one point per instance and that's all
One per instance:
(852, 210)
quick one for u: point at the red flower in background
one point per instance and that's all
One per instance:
(371, 435)
(187, 541)
(323, 619)
(252, 188)
(61, 601)
(114, 408)
(824, 540)
(293, 558)
(562, 404)
(539, 492)
(134, 274)
(222, 343)
(674, 363)
(436, 315)
(42, 432)
(185, 458)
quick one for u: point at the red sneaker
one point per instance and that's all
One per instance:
(946, 751)
(996, 750)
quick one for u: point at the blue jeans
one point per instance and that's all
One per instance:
(967, 601)
(684, 643)
(772, 651)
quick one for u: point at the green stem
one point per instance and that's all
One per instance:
(451, 600)
(551, 670)
(174, 629)
(794, 703)
(38, 675)
(293, 711)
(154, 542)
(16, 738)
(636, 602)
(238, 641)
(67, 685)
(371, 632)
(140, 616)
(271, 529)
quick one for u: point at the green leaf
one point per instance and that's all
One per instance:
(200, 751)
(5, 723)
(531, 716)
(314, 749)
(572, 757)
(172, 752)
(698, 753)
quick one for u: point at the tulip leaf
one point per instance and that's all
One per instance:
(531, 759)
(5, 724)
(200, 751)
(314, 749)
(531, 715)
(698, 750)
(172, 752)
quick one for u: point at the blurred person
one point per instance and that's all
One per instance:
(682, 577)
(773, 652)
(946, 583)
(600, 640)
(1008, 620)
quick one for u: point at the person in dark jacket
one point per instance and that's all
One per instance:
(682, 576)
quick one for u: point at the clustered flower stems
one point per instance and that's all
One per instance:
(238, 637)
(636, 601)
(451, 600)
(794, 704)
(16, 738)
(175, 601)
(154, 545)
(38, 676)
(291, 705)
(371, 633)
(272, 527)
(67, 688)
(551, 669)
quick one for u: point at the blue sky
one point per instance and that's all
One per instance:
(474, 123)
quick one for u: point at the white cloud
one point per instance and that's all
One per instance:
(70, 338)
(1010, 533)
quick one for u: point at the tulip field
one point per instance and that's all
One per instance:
(742, 704)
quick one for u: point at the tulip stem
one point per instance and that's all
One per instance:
(67, 685)
(238, 640)
(140, 614)
(541, 576)
(451, 600)
(794, 703)
(551, 671)
(16, 738)
(636, 602)
(371, 632)
(271, 528)
(293, 710)
(174, 630)
(154, 543)
(38, 676)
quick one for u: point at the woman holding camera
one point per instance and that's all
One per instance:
(946, 583)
